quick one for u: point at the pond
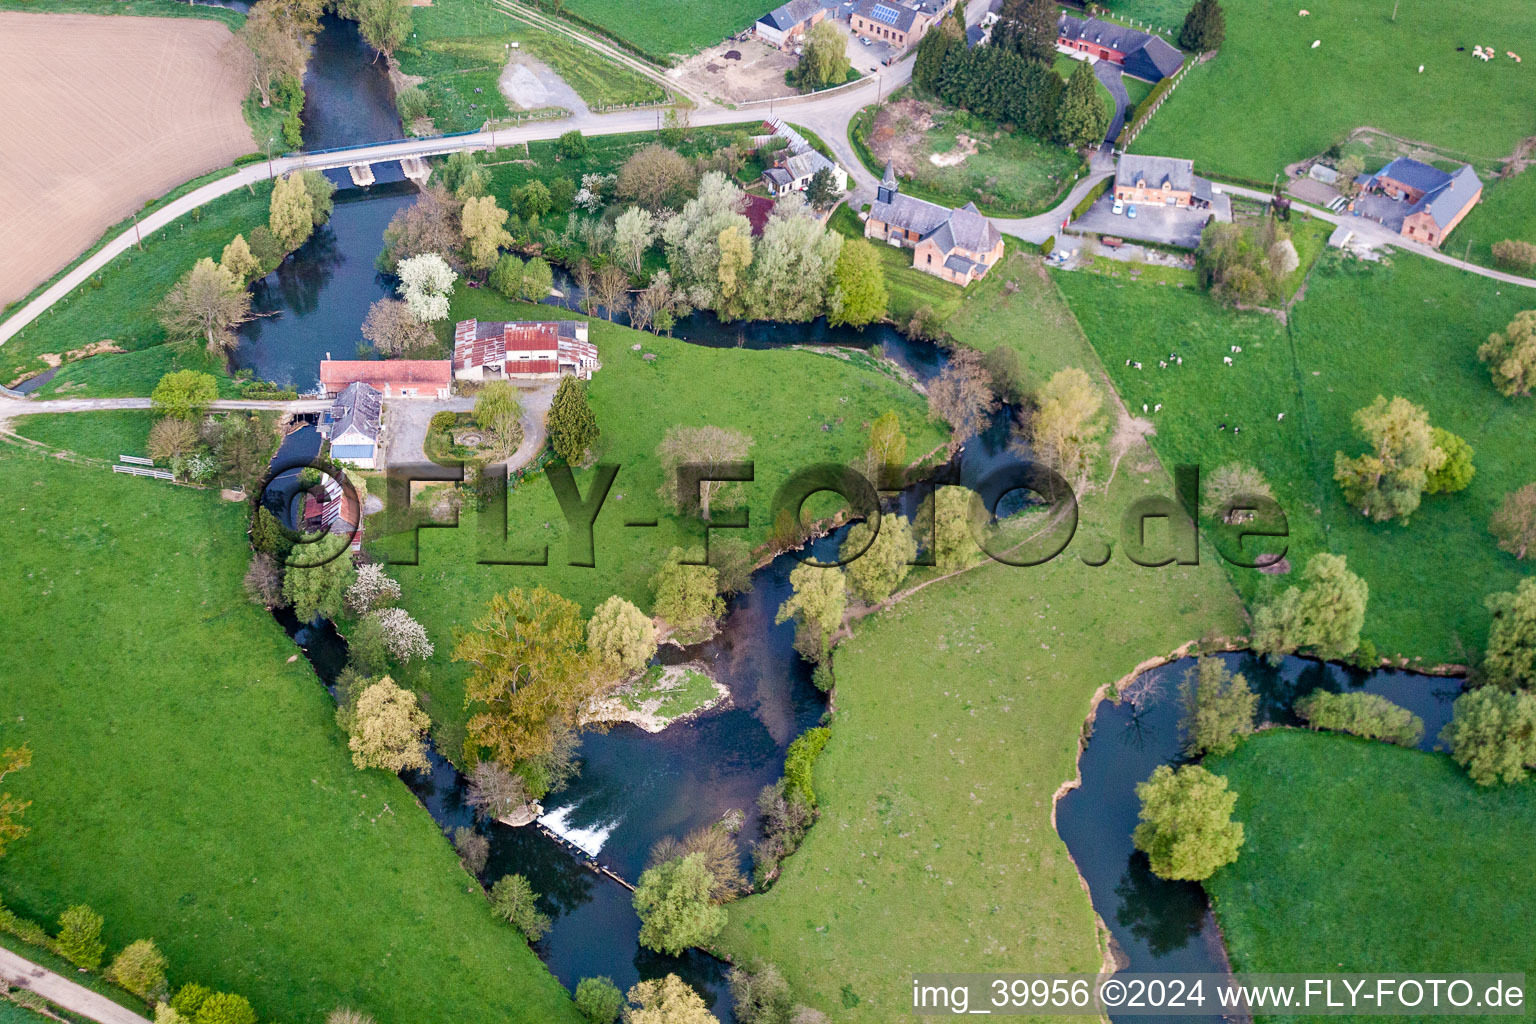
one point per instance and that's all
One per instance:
(1168, 926)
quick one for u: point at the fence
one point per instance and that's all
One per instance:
(136, 460)
(158, 474)
(1143, 113)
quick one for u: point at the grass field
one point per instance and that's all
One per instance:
(664, 29)
(679, 692)
(935, 849)
(1508, 210)
(122, 309)
(800, 408)
(98, 435)
(909, 289)
(1411, 329)
(1270, 99)
(462, 47)
(189, 781)
(1387, 858)
(1009, 174)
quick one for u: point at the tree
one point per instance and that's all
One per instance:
(139, 968)
(426, 282)
(572, 145)
(529, 672)
(494, 792)
(1510, 660)
(238, 262)
(667, 1001)
(1511, 356)
(267, 52)
(1186, 827)
(1514, 524)
(464, 177)
(188, 999)
(498, 410)
(387, 729)
(322, 194)
(318, 591)
(599, 1000)
(483, 225)
(711, 451)
(735, 247)
(633, 233)
(875, 574)
(673, 902)
(886, 456)
(692, 238)
(371, 588)
(184, 394)
(621, 636)
(394, 330)
(761, 995)
(1515, 254)
(1388, 481)
(687, 596)
(1492, 734)
(859, 294)
(79, 939)
(571, 426)
(1456, 472)
(823, 57)
(225, 1008)
(816, 603)
(513, 899)
(207, 303)
(1218, 708)
(1066, 426)
(291, 217)
(507, 276)
(429, 225)
(384, 24)
(1028, 27)
(953, 536)
(822, 192)
(654, 177)
(792, 274)
(962, 395)
(264, 581)
(538, 279)
(1350, 168)
(1205, 26)
(403, 637)
(610, 289)
(721, 858)
(532, 200)
(1081, 120)
(1323, 617)
(1361, 714)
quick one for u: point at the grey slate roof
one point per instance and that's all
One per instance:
(905, 11)
(1154, 170)
(960, 265)
(356, 408)
(1202, 189)
(917, 215)
(1146, 56)
(949, 229)
(1445, 203)
(974, 34)
(888, 179)
(787, 16)
(1414, 174)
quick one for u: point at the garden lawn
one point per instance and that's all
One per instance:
(512, 167)
(1269, 99)
(800, 408)
(190, 784)
(1508, 210)
(1363, 857)
(958, 717)
(99, 435)
(908, 289)
(1411, 329)
(663, 28)
(118, 305)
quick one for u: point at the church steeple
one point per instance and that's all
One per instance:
(888, 185)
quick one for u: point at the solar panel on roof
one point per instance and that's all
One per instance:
(885, 14)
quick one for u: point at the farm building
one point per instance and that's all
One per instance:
(1139, 54)
(1437, 200)
(331, 508)
(1161, 181)
(787, 24)
(794, 166)
(899, 24)
(959, 246)
(393, 378)
(523, 349)
(353, 425)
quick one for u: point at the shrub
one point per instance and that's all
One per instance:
(798, 762)
(1361, 714)
(225, 1008)
(1218, 709)
(1087, 201)
(1048, 245)
(1515, 254)
(139, 968)
(599, 1000)
(189, 998)
(474, 849)
(79, 939)
(347, 1015)
(514, 900)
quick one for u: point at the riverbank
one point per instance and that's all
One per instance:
(662, 696)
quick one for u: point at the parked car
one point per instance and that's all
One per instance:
(1118, 208)
(864, 40)
(1130, 211)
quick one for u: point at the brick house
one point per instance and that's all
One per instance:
(1437, 200)
(1161, 181)
(1140, 54)
(523, 350)
(786, 25)
(901, 24)
(393, 378)
(959, 246)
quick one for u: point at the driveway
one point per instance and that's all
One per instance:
(1168, 225)
(1109, 74)
(406, 421)
(1384, 210)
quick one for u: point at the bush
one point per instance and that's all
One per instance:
(1086, 202)
(798, 762)
(514, 901)
(140, 968)
(599, 1000)
(225, 1008)
(442, 421)
(1515, 254)
(190, 998)
(1046, 247)
(1361, 714)
(79, 939)
(573, 146)
(412, 104)
(27, 931)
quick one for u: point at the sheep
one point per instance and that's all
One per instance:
(1280, 417)
(1227, 360)
(1127, 362)
(1137, 365)
(1236, 429)
(1180, 360)
(1158, 407)
(1143, 406)
(1222, 427)
(1162, 364)
(1303, 14)
(1421, 69)
(1316, 43)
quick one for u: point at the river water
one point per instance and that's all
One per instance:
(1168, 926)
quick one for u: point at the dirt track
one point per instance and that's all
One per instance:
(101, 114)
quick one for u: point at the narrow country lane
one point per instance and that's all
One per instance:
(60, 991)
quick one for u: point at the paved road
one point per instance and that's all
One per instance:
(23, 407)
(1109, 74)
(61, 991)
(407, 421)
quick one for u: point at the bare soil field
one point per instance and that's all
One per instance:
(102, 114)
(735, 72)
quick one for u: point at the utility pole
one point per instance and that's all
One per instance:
(270, 174)
(1394, 10)
(136, 235)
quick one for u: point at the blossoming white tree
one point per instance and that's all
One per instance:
(403, 636)
(371, 590)
(426, 282)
